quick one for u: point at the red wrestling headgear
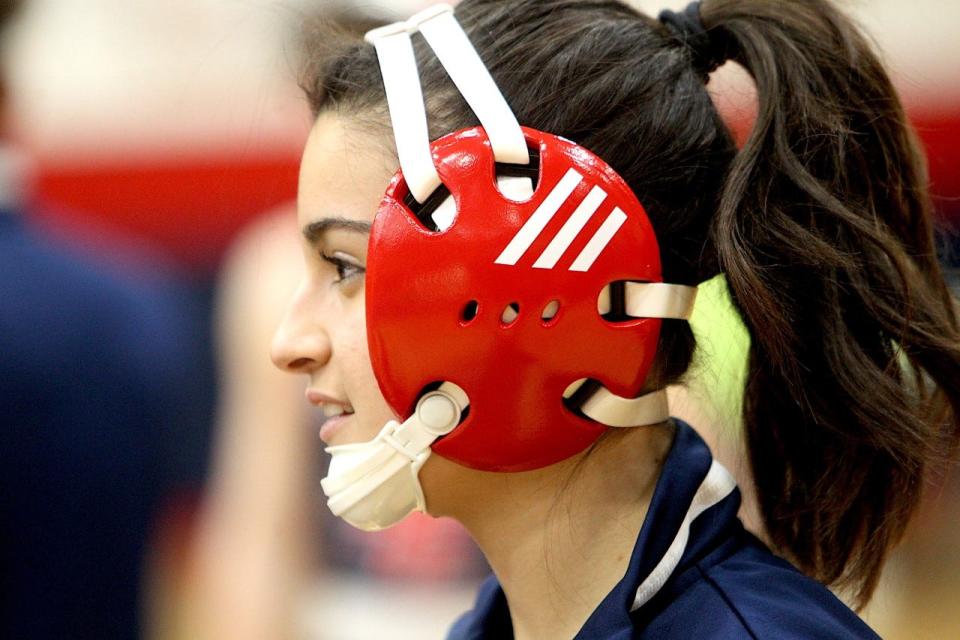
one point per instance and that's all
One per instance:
(535, 300)
(435, 300)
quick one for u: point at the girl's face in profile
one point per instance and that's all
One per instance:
(343, 175)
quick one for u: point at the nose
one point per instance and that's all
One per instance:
(300, 344)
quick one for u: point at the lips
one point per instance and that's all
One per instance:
(336, 412)
(320, 399)
(335, 416)
(332, 426)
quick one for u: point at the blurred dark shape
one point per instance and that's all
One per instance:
(98, 376)
(106, 395)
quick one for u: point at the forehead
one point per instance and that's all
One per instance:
(343, 173)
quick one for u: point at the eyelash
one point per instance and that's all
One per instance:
(342, 267)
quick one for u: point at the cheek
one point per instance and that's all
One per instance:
(364, 388)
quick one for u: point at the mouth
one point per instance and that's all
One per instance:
(336, 411)
(335, 415)
(332, 424)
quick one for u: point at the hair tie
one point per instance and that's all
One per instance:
(687, 27)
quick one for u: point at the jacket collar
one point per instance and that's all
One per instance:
(692, 512)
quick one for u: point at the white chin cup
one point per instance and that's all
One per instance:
(374, 485)
(384, 494)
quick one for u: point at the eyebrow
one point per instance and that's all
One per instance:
(313, 231)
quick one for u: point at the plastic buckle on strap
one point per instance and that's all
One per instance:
(438, 413)
(403, 446)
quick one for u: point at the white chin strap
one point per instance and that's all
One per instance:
(373, 485)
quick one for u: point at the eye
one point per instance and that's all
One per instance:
(345, 268)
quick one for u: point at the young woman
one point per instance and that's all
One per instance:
(538, 385)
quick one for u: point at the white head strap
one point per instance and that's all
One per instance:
(606, 407)
(653, 300)
(401, 82)
(407, 114)
(450, 43)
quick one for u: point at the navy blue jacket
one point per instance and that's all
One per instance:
(695, 572)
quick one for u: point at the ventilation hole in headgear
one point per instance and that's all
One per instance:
(510, 314)
(550, 311)
(470, 311)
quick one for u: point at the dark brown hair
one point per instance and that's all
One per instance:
(821, 223)
(8, 10)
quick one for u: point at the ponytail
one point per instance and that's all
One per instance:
(824, 232)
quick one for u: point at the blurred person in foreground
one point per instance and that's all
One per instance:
(95, 373)
(250, 556)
